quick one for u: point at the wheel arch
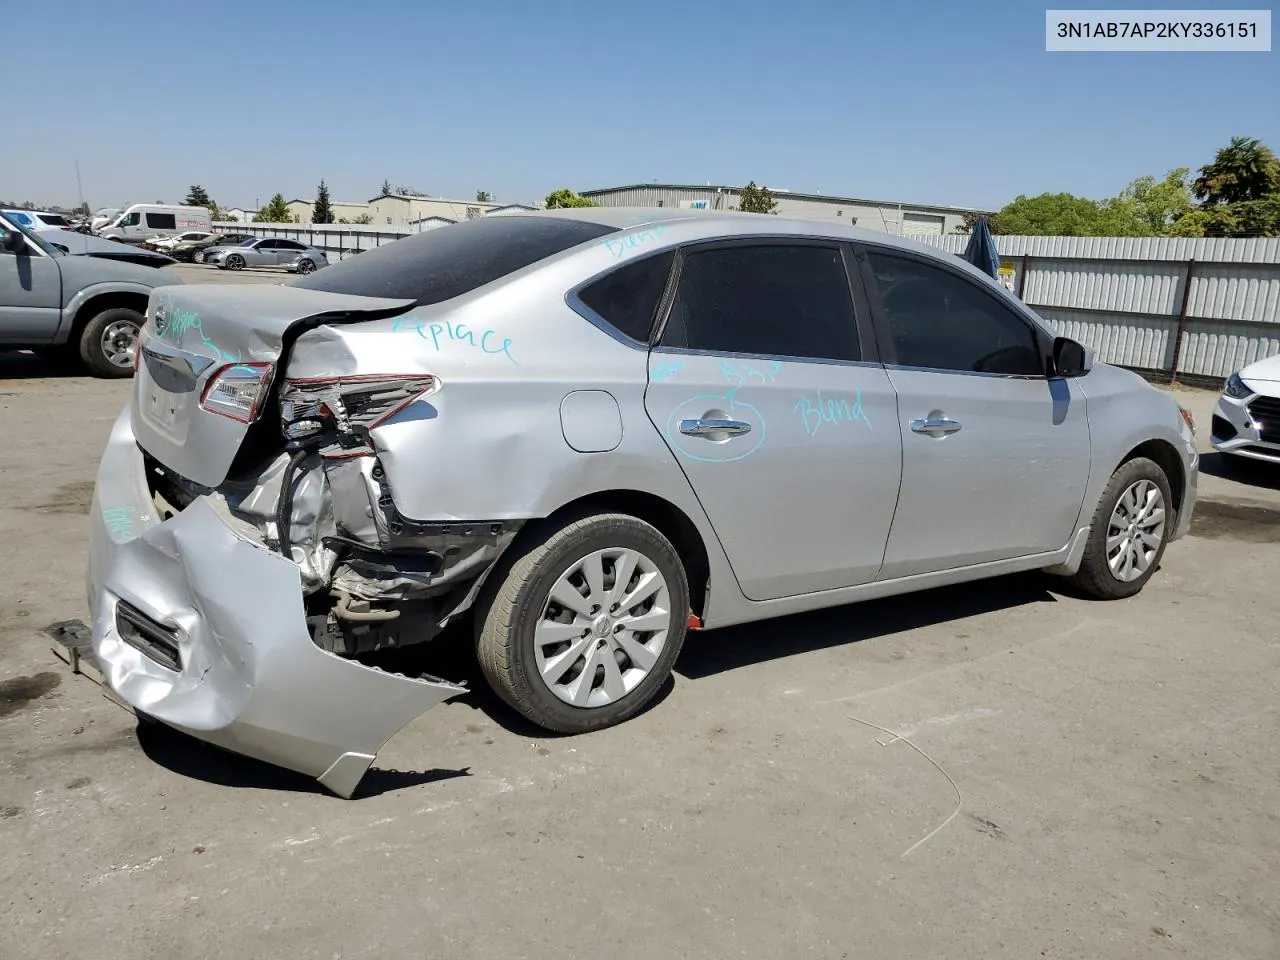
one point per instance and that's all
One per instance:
(1166, 456)
(134, 299)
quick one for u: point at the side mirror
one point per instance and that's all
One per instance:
(1071, 359)
(14, 242)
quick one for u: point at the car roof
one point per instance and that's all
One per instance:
(728, 223)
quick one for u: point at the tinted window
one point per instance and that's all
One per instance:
(289, 245)
(52, 219)
(162, 221)
(941, 320)
(132, 220)
(628, 297)
(268, 244)
(780, 300)
(449, 261)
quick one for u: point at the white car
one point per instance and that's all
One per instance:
(165, 244)
(1246, 422)
(39, 220)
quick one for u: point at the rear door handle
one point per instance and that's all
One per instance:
(935, 427)
(705, 428)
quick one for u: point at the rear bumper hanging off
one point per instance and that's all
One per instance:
(204, 630)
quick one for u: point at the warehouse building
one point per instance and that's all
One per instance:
(908, 219)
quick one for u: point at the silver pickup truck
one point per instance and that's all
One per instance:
(83, 308)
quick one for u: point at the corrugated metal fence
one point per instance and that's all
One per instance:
(1191, 309)
(1179, 308)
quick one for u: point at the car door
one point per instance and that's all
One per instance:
(768, 392)
(30, 294)
(995, 455)
(265, 253)
(287, 251)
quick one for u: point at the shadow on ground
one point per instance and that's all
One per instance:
(193, 758)
(1255, 473)
(25, 365)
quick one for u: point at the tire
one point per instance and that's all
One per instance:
(305, 266)
(233, 262)
(517, 599)
(1096, 575)
(106, 346)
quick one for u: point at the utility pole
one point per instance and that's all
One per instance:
(79, 185)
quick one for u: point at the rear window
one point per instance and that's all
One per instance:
(53, 219)
(441, 264)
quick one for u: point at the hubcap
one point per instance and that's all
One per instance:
(120, 343)
(603, 627)
(1135, 531)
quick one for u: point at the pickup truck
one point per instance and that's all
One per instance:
(73, 307)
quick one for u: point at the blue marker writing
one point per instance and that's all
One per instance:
(817, 410)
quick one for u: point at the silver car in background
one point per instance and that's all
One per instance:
(587, 432)
(267, 252)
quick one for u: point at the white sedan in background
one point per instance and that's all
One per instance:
(1246, 422)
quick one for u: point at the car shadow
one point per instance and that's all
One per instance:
(733, 647)
(189, 757)
(25, 365)
(1255, 473)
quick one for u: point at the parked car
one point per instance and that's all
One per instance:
(1246, 421)
(39, 220)
(141, 221)
(588, 431)
(165, 244)
(103, 217)
(193, 251)
(84, 308)
(267, 252)
(82, 244)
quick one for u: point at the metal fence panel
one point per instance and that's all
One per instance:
(1142, 342)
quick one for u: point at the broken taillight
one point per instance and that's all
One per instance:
(237, 391)
(348, 405)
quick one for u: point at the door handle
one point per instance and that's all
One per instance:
(704, 427)
(935, 427)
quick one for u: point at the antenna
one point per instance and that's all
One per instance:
(79, 185)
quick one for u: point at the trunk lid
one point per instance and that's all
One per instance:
(192, 333)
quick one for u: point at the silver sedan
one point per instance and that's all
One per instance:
(268, 252)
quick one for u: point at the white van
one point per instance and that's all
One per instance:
(142, 221)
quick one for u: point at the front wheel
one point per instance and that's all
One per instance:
(1130, 530)
(580, 629)
(235, 262)
(109, 342)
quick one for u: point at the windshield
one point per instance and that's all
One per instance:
(9, 223)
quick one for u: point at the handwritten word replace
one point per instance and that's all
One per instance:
(447, 332)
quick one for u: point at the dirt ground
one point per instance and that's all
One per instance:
(1115, 766)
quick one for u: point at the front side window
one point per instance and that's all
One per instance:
(162, 221)
(132, 220)
(940, 320)
(628, 297)
(784, 300)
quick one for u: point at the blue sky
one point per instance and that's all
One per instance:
(948, 102)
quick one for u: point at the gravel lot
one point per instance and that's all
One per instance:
(1116, 766)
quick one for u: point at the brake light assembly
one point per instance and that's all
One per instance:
(237, 391)
(345, 409)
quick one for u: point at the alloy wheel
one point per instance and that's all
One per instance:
(1135, 531)
(603, 627)
(120, 343)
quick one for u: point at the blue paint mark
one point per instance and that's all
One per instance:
(629, 241)
(119, 521)
(666, 371)
(180, 322)
(448, 332)
(816, 410)
(705, 450)
(742, 373)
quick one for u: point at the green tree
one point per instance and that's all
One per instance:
(755, 199)
(322, 211)
(1050, 214)
(276, 211)
(197, 196)
(386, 187)
(565, 197)
(408, 191)
(1243, 170)
(1158, 204)
(1248, 218)
(363, 218)
(82, 210)
(482, 196)
(970, 220)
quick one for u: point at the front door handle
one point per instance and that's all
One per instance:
(711, 428)
(935, 426)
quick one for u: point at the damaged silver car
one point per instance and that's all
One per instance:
(586, 432)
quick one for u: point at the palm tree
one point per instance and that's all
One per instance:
(1245, 169)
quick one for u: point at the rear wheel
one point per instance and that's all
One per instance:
(306, 266)
(1130, 530)
(580, 630)
(109, 342)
